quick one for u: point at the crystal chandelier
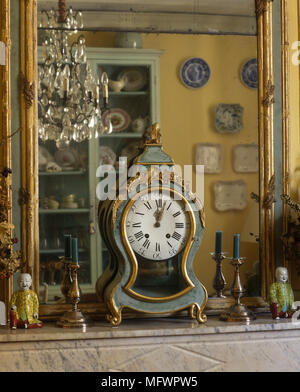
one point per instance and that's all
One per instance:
(68, 93)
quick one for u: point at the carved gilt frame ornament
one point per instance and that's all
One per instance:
(29, 145)
(269, 198)
(261, 6)
(28, 90)
(269, 97)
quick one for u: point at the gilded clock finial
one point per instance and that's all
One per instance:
(155, 134)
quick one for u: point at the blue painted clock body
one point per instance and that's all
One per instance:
(140, 276)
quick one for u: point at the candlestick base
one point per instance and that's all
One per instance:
(218, 295)
(72, 319)
(238, 312)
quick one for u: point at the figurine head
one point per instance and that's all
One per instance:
(24, 282)
(281, 274)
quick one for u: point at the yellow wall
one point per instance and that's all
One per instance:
(187, 118)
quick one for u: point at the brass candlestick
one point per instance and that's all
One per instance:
(237, 312)
(67, 279)
(73, 318)
(219, 280)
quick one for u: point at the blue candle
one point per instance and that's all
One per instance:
(68, 246)
(236, 246)
(75, 250)
(218, 248)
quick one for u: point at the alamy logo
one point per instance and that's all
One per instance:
(113, 181)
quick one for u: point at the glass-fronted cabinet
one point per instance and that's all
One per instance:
(68, 202)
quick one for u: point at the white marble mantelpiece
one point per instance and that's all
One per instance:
(164, 344)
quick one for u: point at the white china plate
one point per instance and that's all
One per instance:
(211, 156)
(119, 118)
(230, 195)
(245, 158)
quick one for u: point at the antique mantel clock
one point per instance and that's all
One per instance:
(152, 237)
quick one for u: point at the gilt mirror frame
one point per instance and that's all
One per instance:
(273, 101)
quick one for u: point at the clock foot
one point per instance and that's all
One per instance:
(192, 311)
(196, 313)
(115, 317)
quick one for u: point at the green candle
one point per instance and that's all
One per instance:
(75, 250)
(68, 246)
(218, 248)
(236, 246)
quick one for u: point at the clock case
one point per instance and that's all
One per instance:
(125, 283)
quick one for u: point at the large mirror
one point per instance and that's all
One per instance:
(211, 119)
(206, 78)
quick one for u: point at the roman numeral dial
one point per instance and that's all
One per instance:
(158, 226)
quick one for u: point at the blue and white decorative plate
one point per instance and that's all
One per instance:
(249, 73)
(195, 72)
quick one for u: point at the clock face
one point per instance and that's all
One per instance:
(158, 226)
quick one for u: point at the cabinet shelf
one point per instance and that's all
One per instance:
(127, 93)
(64, 211)
(55, 251)
(63, 173)
(131, 135)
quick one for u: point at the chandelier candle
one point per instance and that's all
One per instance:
(104, 83)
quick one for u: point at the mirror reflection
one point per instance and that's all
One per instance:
(202, 89)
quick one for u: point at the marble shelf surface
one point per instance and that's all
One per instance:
(133, 328)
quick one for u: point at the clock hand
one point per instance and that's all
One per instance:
(161, 212)
(158, 215)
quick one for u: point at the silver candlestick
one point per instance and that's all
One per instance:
(219, 280)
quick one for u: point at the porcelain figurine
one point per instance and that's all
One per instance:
(24, 305)
(281, 296)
